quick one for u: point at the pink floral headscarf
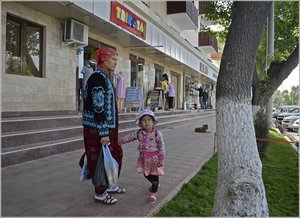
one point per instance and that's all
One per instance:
(103, 54)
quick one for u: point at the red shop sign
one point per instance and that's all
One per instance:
(128, 20)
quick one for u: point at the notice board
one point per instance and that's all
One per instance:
(154, 99)
(134, 97)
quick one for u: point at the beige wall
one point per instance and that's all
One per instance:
(149, 70)
(56, 91)
(159, 7)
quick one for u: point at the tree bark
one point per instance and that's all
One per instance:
(255, 88)
(240, 190)
(279, 72)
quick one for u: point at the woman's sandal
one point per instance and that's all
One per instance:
(107, 200)
(118, 191)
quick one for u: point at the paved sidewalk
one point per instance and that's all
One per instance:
(51, 186)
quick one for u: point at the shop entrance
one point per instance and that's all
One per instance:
(174, 81)
(87, 56)
(158, 75)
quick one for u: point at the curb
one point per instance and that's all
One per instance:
(176, 190)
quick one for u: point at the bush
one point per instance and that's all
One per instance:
(261, 126)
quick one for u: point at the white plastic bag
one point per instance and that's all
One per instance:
(111, 166)
(83, 174)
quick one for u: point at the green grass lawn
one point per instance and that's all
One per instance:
(281, 178)
(280, 175)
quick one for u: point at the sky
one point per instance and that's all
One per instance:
(292, 80)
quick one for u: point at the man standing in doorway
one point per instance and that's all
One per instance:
(87, 71)
(204, 99)
(200, 90)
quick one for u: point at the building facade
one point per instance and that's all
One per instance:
(46, 44)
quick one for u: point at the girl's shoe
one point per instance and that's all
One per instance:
(152, 199)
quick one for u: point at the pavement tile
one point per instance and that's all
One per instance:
(51, 186)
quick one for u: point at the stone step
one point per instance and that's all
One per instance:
(22, 124)
(18, 154)
(26, 123)
(38, 135)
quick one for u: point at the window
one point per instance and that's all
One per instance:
(136, 68)
(24, 48)
(158, 75)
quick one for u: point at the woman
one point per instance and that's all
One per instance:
(171, 95)
(100, 119)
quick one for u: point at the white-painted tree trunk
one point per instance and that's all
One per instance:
(240, 190)
(240, 187)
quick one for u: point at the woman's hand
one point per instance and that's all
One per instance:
(104, 140)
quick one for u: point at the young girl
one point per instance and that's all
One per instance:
(151, 150)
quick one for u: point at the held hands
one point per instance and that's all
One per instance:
(104, 140)
(160, 163)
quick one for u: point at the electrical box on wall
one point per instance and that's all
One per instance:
(76, 32)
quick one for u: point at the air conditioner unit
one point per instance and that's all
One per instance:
(75, 31)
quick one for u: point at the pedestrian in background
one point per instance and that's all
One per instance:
(200, 90)
(204, 99)
(164, 85)
(87, 71)
(78, 89)
(100, 120)
(171, 95)
(151, 149)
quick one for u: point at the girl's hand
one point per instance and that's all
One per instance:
(104, 140)
(160, 163)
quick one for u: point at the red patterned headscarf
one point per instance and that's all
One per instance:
(103, 54)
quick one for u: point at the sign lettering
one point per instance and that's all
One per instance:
(127, 19)
(203, 68)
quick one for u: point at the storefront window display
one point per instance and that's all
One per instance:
(190, 94)
(136, 70)
(159, 70)
(174, 81)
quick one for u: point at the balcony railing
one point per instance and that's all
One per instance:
(183, 7)
(205, 40)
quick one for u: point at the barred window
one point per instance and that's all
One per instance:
(24, 47)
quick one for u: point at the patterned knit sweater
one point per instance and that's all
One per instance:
(99, 110)
(151, 142)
